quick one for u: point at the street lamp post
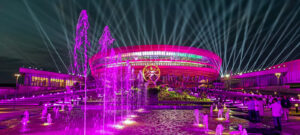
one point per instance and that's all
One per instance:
(278, 77)
(17, 86)
(227, 76)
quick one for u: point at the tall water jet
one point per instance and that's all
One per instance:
(70, 107)
(240, 128)
(224, 107)
(140, 91)
(127, 83)
(44, 112)
(211, 110)
(244, 132)
(216, 108)
(196, 114)
(220, 114)
(62, 108)
(105, 42)
(227, 116)
(56, 112)
(25, 118)
(205, 122)
(49, 119)
(219, 129)
(82, 39)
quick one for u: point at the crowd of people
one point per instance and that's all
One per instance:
(280, 107)
(255, 109)
(257, 103)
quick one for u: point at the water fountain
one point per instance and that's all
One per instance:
(216, 108)
(62, 108)
(25, 119)
(220, 114)
(227, 116)
(116, 85)
(196, 114)
(56, 112)
(141, 92)
(119, 89)
(128, 88)
(205, 122)
(240, 128)
(219, 129)
(49, 119)
(81, 39)
(70, 107)
(244, 132)
(44, 112)
(105, 41)
(238, 132)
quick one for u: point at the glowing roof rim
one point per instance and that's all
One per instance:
(163, 47)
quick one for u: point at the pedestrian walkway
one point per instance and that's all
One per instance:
(290, 127)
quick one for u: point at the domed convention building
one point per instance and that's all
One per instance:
(176, 66)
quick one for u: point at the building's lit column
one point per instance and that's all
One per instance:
(227, 77)
(278, 77)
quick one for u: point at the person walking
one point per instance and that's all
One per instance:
(276, 113)
(256, 110)
(260, 108)
(251, 109)
(286, 104)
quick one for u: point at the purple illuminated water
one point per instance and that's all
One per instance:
(81, 39)
(119, 90)
(25, 118)
(156, 122)
(111, 83)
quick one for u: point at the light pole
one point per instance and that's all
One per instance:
(278, 77)
(17, 78)
(227, 76)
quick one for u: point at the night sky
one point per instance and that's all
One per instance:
(247, 35)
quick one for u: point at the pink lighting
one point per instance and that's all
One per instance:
(199, 125)
(278, 77)
(118, 126)
(81, 39)
(133, 116)
(128, 122)
(46, 124)
(140, 110)
(220, 119)
(106, 39)
(184, 62)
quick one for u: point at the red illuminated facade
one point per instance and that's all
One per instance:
(179, 65)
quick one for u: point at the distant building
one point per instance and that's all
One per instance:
(284, 77)
(38, 81)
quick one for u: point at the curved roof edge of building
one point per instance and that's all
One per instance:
(282, 67)
(175, 48)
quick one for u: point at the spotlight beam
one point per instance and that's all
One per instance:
(43, 32)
